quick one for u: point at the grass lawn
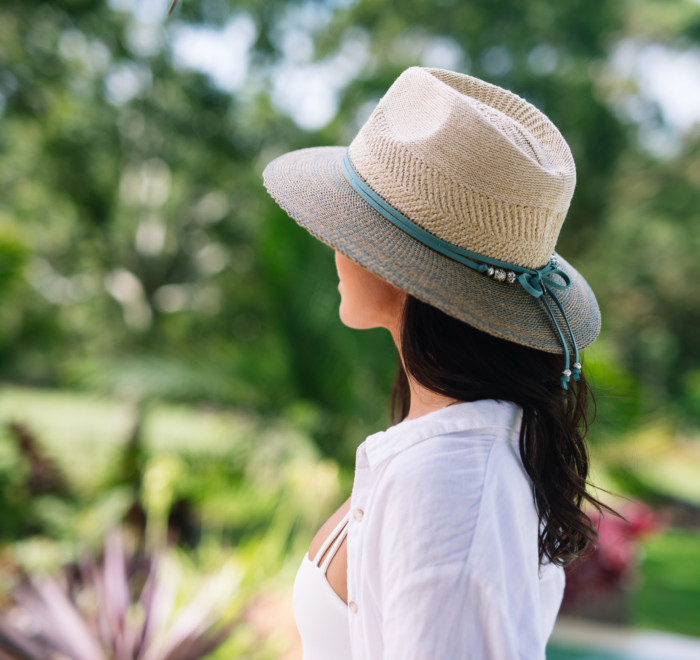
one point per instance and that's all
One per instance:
(668, 597)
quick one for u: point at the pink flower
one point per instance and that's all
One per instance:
(610, 565)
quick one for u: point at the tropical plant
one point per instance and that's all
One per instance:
(119, 608)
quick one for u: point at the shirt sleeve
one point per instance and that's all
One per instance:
(453, 576)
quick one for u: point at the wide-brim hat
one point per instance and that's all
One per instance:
(448, 173)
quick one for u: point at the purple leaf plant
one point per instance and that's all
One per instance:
(120, 608)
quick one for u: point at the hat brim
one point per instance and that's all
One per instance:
(310, 186)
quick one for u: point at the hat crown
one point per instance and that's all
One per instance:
(472, 163)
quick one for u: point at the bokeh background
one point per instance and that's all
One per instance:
(171, 360)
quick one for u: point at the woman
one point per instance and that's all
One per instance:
(444, 213)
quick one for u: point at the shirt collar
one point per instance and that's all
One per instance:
(469, 415)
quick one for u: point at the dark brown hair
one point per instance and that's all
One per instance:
(456, 360)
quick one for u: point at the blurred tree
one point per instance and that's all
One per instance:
(153, 262)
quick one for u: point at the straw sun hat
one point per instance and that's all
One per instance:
(454, 190)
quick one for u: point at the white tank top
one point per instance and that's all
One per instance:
(321, 615)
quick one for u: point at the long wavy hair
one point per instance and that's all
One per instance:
(456, 360)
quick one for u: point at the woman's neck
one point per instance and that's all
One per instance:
(423, 400)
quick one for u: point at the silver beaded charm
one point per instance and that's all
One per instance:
(490, 271)
(499, 275)
(566, 373)
(577, 365)
(510, 277)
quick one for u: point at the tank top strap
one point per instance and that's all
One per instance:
(336, 537)
(340, 537)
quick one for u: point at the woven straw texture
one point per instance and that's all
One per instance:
(474, 165)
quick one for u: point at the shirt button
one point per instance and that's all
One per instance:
(352, 606)
(358, 515)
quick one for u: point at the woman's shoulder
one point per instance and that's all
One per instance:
(448, 459)
(442, 485)
(464, 433)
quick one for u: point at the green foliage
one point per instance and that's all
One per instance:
(157, 262)
(233, 471)
(670, 591)
(12, 257)
(13, 495)
(239, 495)
(143, 254)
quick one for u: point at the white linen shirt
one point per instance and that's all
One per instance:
(442, 542)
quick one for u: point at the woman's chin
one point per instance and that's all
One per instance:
(350, 320)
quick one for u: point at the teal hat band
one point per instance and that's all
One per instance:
(539, 283)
